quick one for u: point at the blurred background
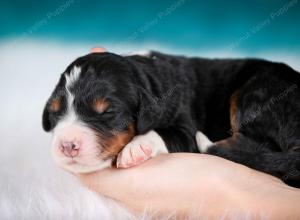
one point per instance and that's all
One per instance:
(244, 26)
(38, 39)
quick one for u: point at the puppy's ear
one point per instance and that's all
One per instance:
(149, 113)
(46, 119)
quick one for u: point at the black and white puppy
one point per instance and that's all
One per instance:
(109, 109)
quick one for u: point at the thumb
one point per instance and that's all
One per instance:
(98, 50)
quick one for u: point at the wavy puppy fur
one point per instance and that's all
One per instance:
(256, 100)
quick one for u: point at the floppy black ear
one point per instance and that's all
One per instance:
(149, 113)
(46, 119)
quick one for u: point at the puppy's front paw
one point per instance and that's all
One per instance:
(133, 154)
(140, 149)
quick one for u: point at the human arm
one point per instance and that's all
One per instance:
(197, 184)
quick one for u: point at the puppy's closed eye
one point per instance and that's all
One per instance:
(100, 105)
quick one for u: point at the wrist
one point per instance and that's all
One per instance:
(281, 201)
(264, 196)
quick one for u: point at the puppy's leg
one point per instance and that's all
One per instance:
(239, 149)
(140, 149)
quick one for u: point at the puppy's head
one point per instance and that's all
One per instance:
(92, 112)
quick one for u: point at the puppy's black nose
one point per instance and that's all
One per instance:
(70, 148)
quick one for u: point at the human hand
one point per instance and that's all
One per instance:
(188, 184)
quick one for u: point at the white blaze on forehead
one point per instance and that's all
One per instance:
(73, 76)
(70, 80)
(70, 116)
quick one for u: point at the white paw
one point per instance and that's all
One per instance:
(140, 149)
(203, 142)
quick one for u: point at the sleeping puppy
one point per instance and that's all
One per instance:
(110, 110)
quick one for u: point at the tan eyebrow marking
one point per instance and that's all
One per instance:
(55, 105)
(100, 105)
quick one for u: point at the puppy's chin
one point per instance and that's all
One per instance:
(77, 168)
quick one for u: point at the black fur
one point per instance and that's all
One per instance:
(176, 96)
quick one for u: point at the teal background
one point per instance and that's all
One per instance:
(234, 25)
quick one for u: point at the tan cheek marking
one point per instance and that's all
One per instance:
(100, 105)
(118, 142)
(55, 105)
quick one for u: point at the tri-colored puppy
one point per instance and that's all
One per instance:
(108, 109)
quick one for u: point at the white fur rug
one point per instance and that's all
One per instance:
(31, 185)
